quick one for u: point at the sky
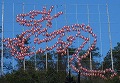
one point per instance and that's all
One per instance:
(71, 16)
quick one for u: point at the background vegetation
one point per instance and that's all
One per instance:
(54, 73)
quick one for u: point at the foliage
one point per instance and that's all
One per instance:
(116, 63)
(33, 76)
(54, 75)
(7, 65)
(116, 58)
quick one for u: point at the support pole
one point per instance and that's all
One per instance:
(68, 59)
(46, 56)
(35, 53)
(35, 60)
(56, 40)
(110, 38)
(13, 37)
(78, 77)
(101, 50)
(46, 61)
(69, 76)
(2, 72)
(23, 30)
(68, 56)
(78, 44)
(89, 37)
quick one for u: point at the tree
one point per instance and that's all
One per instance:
(116, 58)
(20, 62)
(30, 75)
(7, 64)
(116, 62)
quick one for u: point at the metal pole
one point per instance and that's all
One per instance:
(56, 40)
(69, 76)
(89, 38)
(2, 71)
(78, 44)
(76, 13)
(110, 38)
(46, 58)
(35, 52)
(101, 50)
(78, 77)
(23, 30)
(46, 52)
(13, 37)
(35, 60)
(68, 56)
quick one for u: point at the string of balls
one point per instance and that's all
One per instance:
(61, 46)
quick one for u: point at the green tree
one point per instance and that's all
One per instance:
(116, 58)
(20, 62)
(7, 64)
(107, 63)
